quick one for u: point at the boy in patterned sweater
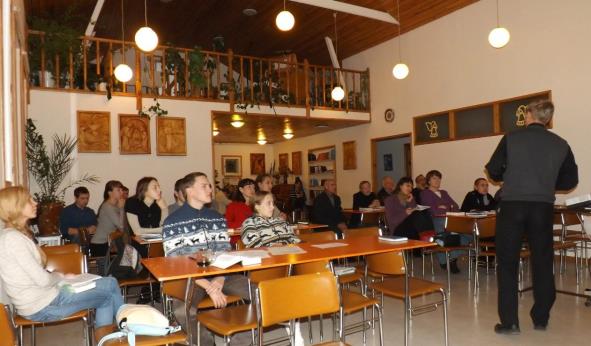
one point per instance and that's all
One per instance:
(194, 227)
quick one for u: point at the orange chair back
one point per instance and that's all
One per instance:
(316, 237)
(311, 267)
(462, 225)
(156, 250)
(116, 234)
(389, 263)
(61, 249)
(175, 288)
(7, 328)
(297, 296)
(361, 232)
(256, 276)
(371, 219)
(570, 219)
(487, 227)
(240, 245)
(68, 263)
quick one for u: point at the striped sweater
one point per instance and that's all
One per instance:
(189, 230)
(258, 231)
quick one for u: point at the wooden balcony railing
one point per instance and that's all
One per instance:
(194, 74)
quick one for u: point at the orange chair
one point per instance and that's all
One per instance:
(73, 263)
(7, 328)
(61, 249)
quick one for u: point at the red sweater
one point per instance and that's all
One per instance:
(236, 213)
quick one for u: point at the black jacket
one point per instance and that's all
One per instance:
(475, 201)
(533, 163)
(325, 212)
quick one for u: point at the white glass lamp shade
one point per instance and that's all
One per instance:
(262, 141)
(237, 123)
(123, 73)
(337, 93)
(146, 39)
(284, 20)
(400, 71)
(499, 37)
(215, 132)
(288, 135)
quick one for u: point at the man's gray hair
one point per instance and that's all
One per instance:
(541, 110)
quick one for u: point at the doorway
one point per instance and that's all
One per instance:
(390, 156)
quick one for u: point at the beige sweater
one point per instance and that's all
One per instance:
(28, 285)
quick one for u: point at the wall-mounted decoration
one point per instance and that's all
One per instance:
(512, 112)
(94, 132)
(296, 162)
(257, 163)
(388, 164)
(431, 128)
(389, 115)
(134, 134)
(231, 165)
(349, 155)
(171, 138)
(283, 163)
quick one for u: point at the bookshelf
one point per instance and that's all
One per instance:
(322, 165)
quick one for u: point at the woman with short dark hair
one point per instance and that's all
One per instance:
(238, 210)
(403, 218)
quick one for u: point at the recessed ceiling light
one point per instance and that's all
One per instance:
(321, 126)
(249, 12)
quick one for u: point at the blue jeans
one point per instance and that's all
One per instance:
(439, 225)
(105, 298)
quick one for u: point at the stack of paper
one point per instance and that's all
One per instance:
(248, 258)
(80, 283)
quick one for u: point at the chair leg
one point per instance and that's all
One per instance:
(380, 323)
(321, 330)
(363, 326)
(21, 342)
(310, 329)
(87, 333)
(432, 266)
(445, 317)
(423, 261)
(448, 273)
(33, 343)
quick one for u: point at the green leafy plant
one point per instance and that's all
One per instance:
(154, 110)
(49, 169)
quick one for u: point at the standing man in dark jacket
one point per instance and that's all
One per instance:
(532, 163)
(327, 208)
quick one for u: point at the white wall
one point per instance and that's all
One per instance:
(55, 112)
(452, 65)
(243, 150)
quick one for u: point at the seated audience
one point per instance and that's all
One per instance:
(401, 214)
(420, 185)
(327, 208)
(77, 216)
(262, 229)
(238, 210)
(479, 199)
(298, 195)
(124, 193)
(110, 218)
(365, 198)
(33, 290)
(220, 200)
(265, 183)
(193, 228)
(386, 190)
(146, 210)
(179, 198)
(440, 202)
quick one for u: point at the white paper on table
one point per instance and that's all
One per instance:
(254, 254)
(285, 250)
(226, 260)
(455, 213)
(329, 245)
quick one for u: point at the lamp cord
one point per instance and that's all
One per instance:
(336, 37)
(146, 12)
(122, 33)
(497, 13)
(399, 25)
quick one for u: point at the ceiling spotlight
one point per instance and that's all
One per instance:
(123, 73)
(249, 12)
(400, 70)
(262, 141)
(237, 123)
(288, 135)
(337, 93)
(215, 132)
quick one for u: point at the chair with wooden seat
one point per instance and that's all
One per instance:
(71, 263)
(393, 264)
(287, 299)
(351, 302)
(140, 340)
(61, 249)
(578, 236)
(7, 328)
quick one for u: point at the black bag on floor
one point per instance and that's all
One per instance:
(447, 239)
(126, 264)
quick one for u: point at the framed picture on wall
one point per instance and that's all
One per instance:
(171, 136)
(257, 163)
(349, 155)
(231, 166)
(296, 162)
(388, 165)
(94, 132)
(283, 163)
(134, 134)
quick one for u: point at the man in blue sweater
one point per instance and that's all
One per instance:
(194, 227)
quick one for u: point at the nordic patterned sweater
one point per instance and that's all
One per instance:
(189, 230)
(258, 231)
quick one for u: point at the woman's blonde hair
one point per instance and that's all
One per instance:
(13, 200)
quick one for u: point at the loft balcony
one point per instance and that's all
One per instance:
(194, 74)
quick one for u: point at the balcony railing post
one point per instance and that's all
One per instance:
(84, 63)
(307, 85)
(138, 80)
(230, 79)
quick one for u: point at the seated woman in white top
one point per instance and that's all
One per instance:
(34, 291)
(262, 229)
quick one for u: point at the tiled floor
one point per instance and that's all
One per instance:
(471, 319)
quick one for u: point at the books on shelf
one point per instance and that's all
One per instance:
(80, 283)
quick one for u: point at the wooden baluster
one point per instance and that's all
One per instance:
(242, 80)
(71, 68)
(164, 76)
(218, 74)
(307, 86)
(323, 86)
(368, 106)
(57, 71)
(124, 88)
(110, 61)
(138, 80)
(98, 65)
(346, 91)
(270, 82)
(230, 79)
(354, 90)
(208, 76)
(297, 78)
(187, 75)
(176, 83)
(287, 74)
(316, 94)
(42, 79)
(84, 63)
(261, 89)
(251, 81)
(153, 75)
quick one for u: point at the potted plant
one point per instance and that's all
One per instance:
(200, 68)
(49, 169)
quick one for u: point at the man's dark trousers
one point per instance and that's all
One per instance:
(534, 220)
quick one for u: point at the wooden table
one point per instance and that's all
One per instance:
(183, 267)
